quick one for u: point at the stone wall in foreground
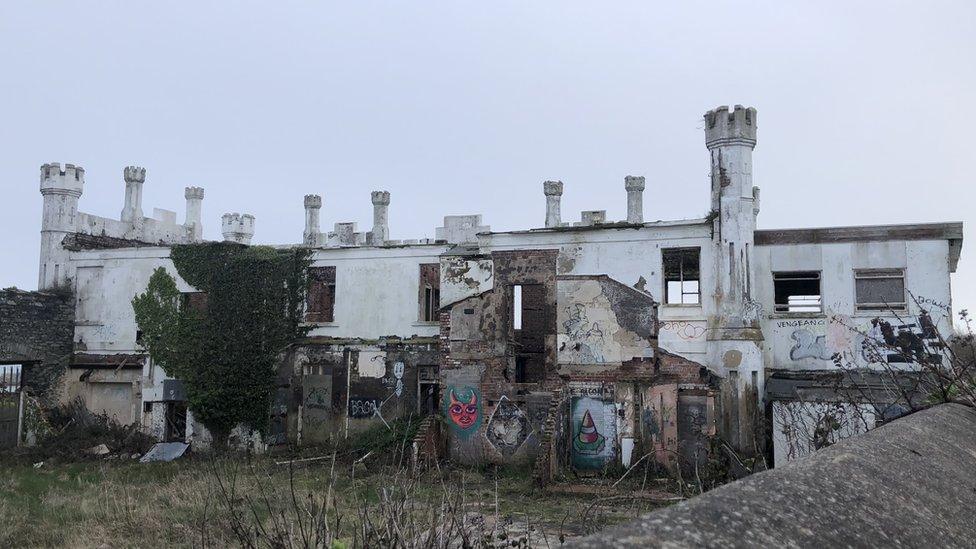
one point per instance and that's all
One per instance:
(909, 483)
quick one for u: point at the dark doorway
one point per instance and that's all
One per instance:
(175, 421)
(428, 390)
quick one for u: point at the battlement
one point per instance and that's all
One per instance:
(134, 174)
(54, 180)
(634, 182)
(380, 198)
(313, 201)
(736, 127)
(237, 227)
(193, 193)
(552, 188)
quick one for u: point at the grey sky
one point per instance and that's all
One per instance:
(866, 110)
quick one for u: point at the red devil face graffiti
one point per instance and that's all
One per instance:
(463, 414)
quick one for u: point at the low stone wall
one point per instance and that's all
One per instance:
(909, 483)
(36, 328)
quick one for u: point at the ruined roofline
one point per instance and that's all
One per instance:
(904, 231)
(951, 231)
(77, 242)
(604, 226)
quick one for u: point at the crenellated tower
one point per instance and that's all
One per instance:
(734, 334)
(61, 190)
(237, 227)
(194, 217)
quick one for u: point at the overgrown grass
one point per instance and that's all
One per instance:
(183, 503)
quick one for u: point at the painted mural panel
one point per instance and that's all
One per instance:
(462, 408)
(508, 427)
(593, 430)
(600, 322)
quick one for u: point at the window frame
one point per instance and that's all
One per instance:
(429, 294)
(778, 307)
(880, 274)
(320, 315)
(681, 281)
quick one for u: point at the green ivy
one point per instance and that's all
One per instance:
(226, 353)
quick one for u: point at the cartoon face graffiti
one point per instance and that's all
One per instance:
(463, 409)
(464, 414)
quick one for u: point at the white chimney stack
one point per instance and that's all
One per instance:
(381, 213)
(553, 191)
(635, 198)
(313, 203)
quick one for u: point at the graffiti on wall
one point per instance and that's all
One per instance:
(593, 423)
(839, 338)
(395, 382)
(462, 408)
(362, 408)
(586, 338)
(902, 342)
(371, 364)
(508, 427)
(684, 329)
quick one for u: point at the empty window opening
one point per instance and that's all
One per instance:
(879, 289)
(531, 322)
(320, 302)
(521, 363)
(517, 307)
(430, 292)
(797, 292)
(682, 276)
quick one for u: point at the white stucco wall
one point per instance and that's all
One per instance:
(377, 291)
(793, 340)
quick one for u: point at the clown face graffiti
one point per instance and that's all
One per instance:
(463, 409)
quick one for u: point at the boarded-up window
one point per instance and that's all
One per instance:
(682, 276)
(430, 291)
(880, 289)
(89, 294)
(320, 306)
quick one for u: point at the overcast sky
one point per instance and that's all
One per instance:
(866, 110)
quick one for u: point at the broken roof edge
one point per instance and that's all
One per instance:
(603, 226)
(951, 231)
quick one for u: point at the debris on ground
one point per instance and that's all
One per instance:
(165, 451)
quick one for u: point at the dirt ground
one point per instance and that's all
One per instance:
(235, 500)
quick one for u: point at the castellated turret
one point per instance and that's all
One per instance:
(313, 203)
(134, 177)
(194, 216)
(61, 190)
(737, 127)
(237, 227)
(381, 217)
(730, 137)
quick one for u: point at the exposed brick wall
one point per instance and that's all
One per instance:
(36, 328)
